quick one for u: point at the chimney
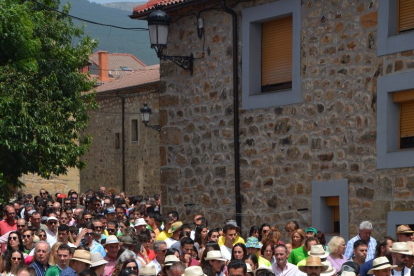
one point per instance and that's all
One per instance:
(103, 66)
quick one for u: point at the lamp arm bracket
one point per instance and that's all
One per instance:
(185, 62)
(156, 127)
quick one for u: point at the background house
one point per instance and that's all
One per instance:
(325, 93)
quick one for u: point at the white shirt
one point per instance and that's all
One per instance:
(158, 267)
(407, 272)
(170, 242)
(226, 252)
(51, 238)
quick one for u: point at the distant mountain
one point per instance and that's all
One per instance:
(125, 6)
(112, 39)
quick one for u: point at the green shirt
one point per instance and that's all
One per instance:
(297, 255)
(53, 271)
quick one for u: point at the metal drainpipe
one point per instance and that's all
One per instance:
(236, 114)
(123, 141)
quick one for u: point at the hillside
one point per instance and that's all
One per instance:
(111, 39)
(125, 6)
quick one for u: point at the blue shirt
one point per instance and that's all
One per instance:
(68, 272)
(365, 267)
(39, 268)
(349, 251)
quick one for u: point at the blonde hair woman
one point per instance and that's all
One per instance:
(53, 253)
(337, 248)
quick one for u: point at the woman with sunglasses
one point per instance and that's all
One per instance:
(42, 235)
(14, 242)
(12, 261)
(131, 265)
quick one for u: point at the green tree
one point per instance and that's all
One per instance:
(42, 110)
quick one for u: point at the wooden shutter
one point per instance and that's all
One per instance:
(277, 51)
(405, 15)
(407, 120)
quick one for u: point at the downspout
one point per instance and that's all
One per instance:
(123, 141)
(236, 114)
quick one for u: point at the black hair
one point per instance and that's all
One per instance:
(358, 243)
(63, 227)
(174, 214)
(254, 259)
(186, 240)
(87, 272)
(243, 247)
(236, 264)
(253, 229)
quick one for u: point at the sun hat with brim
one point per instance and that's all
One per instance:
(214, 255)
(174, 227)
(330, 271)
(170, 260)
(404, 229)
(249, 269)
(112, 239)
(127, 240)
(380, 263)
(140, 222)
(52, 218)
(83, 256)
(263, 267)
(311, 229)
(192, 271)
(318, 251)
(400, 248)
(312, 261)
(253, 242)
(97, 260)
(148, 270)
(347, 273)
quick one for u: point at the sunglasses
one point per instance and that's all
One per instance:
(13, 238)
(89, 234)
(111, 230)
(98, 227)
(98, 205)
(74, 198)
(87, 219)
(42, 206)
(49, 205)
(16, 259)
(11, 214)
(163, 251)
(41, 236)
(27, 236)
(42, 193)
(21, 225)
(132, 267)
(52, 222)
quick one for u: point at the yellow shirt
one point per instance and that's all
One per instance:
(237, 240)
(163, 235)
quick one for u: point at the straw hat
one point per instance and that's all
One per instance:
(347, 273)
(330, 271)
(82, 256)
(112, 239)
(170, 260)
(175, 226)
(140, 222)
(380, 263)
(148, 270)
(400, 248)
(404, 229)
(97, 259)
(314, 262)
(317, 250)
(214, 255)
(191, 271)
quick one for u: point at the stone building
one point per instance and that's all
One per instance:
(325, 141)
(124, 154)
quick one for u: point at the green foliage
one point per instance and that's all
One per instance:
(41, 107)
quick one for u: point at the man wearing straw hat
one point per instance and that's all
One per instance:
(381, 267)
(404, 233)
(313, 267)
(400, 252)
(112, 247)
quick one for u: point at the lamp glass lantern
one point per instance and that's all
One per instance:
(145, 114)
(158, 23)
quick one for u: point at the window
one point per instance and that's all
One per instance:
(394, 111)
(405, 99)
(405, 15)
(117, 140)
(271, 54)
(395, 23)
(327, 217)
(277, 54)
(134, 130)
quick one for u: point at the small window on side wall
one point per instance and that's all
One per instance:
(333, 203)
(405, 99)
(134, 130)
(277, 54)
(117, 140)
(405, 15)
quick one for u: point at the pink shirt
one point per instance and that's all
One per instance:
(288, 270)
(4, 228)
(109, 267)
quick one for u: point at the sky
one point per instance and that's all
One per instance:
(112, 1)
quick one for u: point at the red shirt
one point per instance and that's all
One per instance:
(4, 228)
(151, 254)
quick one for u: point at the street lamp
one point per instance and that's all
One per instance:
(158, 22)
(145, 116)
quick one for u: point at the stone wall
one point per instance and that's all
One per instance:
(104, 160)
(330, 135)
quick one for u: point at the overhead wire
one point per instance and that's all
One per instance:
(86, 20)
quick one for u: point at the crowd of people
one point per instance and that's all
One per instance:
(105, 233)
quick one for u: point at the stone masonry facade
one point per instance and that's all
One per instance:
(104, 159)
(330, 135)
